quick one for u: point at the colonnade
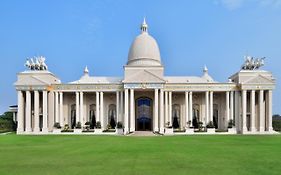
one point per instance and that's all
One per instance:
(31, 102)
(260, 111)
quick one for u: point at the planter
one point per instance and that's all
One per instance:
(77, 131)
(169, 131)
(56, 131)
(232, 130)
(98, 131)
(211, 130)
(189, 131)
(119, 131)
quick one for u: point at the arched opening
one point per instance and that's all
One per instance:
(176, 115)
(73, 116)
(92, 116)
(216, 115)
(112, 116)
(144, 114)
(196, 115)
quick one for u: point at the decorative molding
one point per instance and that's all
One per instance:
(143, 86)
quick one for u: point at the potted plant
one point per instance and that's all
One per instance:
(211, 128)
(119, 128)
(87, 126)
(98, 128)
(189, 129)
(168, 129)
(66, 128)
(77, 128)
(231, 127)
(57, 128)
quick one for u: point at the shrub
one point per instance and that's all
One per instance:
(201, 128)
(210, 125)
(57, 125)
(98, 125)
(119, 125)
(78, 125)
(87, 123)
(231, 123)
(7, 123)
(167, 125)
(276, 124)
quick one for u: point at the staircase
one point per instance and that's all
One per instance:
(143, 133)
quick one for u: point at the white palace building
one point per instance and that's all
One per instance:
(145, 99)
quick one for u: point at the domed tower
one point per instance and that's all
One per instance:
(144, 60)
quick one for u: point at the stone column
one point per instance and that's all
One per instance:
(45, 112)
(156, 127)
(244, 110)
(237, 110)
(170, 108)
(269, 113)
(126, 115)
(132, 110)
(190, 108)
(36, 112)
(57, 120)
(166, 108)
(61, 110)
(28, 112)
(121, 107)
(77, 113)
(227, 108)
(101, 111)
(161, 111)
(186, 109)
(117, 106)
(51, 110)
(261, 111)
(231, 105)
(98, 106)
(253, 111)
(206, 108)
(82, 117)
(211, 106)
(20, 128)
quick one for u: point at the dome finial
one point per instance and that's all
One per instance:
(205, 70)
(86, 71)
(144, 26)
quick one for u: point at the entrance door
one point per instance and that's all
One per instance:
(144, 114)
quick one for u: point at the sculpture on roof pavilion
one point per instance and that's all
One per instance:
(38, 64)
(252, 63)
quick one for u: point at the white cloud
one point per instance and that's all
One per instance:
(231, 4)
(236, 4)
(270, 3)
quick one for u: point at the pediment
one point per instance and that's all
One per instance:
(259, 80)
(31, 80)
(144, 76)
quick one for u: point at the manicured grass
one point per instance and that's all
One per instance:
(174, 155)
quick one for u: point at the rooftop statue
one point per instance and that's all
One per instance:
(252, 63)
(38, 64)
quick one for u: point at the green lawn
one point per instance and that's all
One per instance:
(173, 155)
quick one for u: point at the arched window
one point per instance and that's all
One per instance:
(92, 116)
(112, 115)
(176, 115)
(196, 115)
(73, 116)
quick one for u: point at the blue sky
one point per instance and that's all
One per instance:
(74, 33)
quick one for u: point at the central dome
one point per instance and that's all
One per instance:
(144, 50)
